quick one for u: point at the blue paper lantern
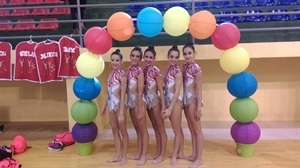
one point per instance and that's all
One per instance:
(86, 88)
(242, 85)
(150, 22)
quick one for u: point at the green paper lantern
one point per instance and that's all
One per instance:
(84, 112)
(243, 110)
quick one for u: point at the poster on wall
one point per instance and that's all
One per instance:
(69, 52)
(48, 59)
(5, 61)
(26, 67)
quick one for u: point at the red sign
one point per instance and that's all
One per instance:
(69, 52)
(48, 60)
(5, 61)
(26, 66)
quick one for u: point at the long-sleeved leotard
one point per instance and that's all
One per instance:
(114, 86)
(151, 94)
(169, 83)
(132, 79)
(189, 85)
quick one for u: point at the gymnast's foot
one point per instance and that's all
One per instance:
(136, 157)
(159, 159)
(153, 157)
(173, 161)
(114, 159)
(123, 161)
(190, 158)
(196, 164)
(141, 161)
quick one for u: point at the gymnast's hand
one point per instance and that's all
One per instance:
(198, 115)
(166, 113)
(121, 118)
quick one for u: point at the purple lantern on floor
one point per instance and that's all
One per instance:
(245, 133)
(84, 133)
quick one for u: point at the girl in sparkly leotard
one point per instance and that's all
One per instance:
(155, 102)
(136, 104)
(192, 101)
(172, 85)
(117, 84)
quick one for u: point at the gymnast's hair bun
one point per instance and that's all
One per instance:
(174, 47)
(151, 47)
(137, 48)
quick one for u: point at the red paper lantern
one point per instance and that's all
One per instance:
(120, 26)
(226, 35)
(97, 40)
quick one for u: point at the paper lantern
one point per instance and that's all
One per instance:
(150, 22)
(19, 144)
(89, 65)
(120, 26)
(245, 133)
(84, 112)
(84, 133)
(102, 65)
(242, 85)
(202, 24)
(226, 36)
(86, 88)
(243, 110)
(97, 40)
(176, 21)
(245, 150)
(84, 149)
(235, 60)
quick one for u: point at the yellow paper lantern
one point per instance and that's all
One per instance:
(102, 64)
(235, 60)
(176, 21)
(90, 65)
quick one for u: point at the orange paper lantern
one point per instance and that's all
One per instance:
(202, 24)
(120, 26)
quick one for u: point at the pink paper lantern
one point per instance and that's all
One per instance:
(226, 35)
(97, 40)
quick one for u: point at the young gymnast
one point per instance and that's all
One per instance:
(136, 104)
(172, 85)
(155, 102)
(117, 84)
(192, 101)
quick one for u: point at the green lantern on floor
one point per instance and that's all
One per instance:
(83, 111)
(243, 110)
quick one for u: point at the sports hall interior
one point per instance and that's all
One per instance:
(269, 32)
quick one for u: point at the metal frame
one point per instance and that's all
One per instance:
(80, 35)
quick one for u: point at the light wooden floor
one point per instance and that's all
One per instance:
(278, 150)
(217, 154)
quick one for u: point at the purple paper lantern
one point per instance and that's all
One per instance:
(83, 133)
(245, 133)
